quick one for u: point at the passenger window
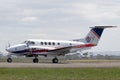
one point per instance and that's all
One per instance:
(41, 43)
(58, 43)
(45, 43)
(49, 43)
(53, 43)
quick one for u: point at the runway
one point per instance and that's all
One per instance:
(61, 65)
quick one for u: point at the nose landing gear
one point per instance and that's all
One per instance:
(9, 60)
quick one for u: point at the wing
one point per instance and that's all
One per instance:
(40, 47)
(39, 50)
(50, 50)
(61, 51)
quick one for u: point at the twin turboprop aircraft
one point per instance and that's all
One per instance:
(35, 47)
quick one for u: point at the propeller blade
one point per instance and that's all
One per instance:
(9, 45)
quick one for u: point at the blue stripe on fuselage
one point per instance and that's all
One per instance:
(23, 51)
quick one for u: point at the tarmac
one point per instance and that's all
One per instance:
(61, 65)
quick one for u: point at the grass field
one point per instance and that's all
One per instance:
(60, 74)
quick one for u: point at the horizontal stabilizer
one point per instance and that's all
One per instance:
(105, 26)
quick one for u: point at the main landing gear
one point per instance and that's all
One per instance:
(55, 60)
(35, 60)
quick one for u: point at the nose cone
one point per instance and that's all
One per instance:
(16, 48)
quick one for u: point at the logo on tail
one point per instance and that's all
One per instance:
(88, 39)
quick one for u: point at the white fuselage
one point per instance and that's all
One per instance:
(37, 46)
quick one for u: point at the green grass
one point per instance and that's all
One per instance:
(60, 74)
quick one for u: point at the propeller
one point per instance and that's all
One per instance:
(9, 45)
(28, 47)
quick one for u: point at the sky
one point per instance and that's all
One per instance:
(58, 20)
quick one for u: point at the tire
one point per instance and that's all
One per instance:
(9, 60)
(55, 60)
(35, 60)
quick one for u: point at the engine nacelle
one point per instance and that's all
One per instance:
(31, 55)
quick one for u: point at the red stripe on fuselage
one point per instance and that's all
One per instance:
(38, 51)
(85, 46)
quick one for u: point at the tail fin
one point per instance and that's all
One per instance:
(95, 33)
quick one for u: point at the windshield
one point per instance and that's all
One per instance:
(29, 42)
(25, 41)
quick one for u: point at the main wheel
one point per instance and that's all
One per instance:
(55, 60)
(9, 60)
(35, 60)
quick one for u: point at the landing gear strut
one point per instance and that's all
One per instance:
(35, 60)
(9, 60)
(55, 60)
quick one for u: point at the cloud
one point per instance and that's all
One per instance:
(94, 12)
(29, 19)
(56, 19)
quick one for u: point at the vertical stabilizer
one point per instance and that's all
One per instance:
(95, 34)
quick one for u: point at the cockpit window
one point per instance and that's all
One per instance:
(25, 42)
(29, 42)
(32, 42)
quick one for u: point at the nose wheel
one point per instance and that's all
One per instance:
(35, 60)
(55, 60)
(9, 60)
